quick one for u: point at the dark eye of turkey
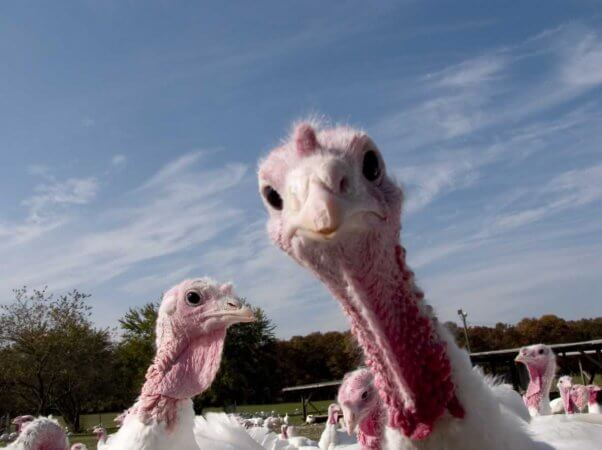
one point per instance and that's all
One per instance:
(364, 395)
(193, 298)
(541, 351)
(272, 197)
(371, 166)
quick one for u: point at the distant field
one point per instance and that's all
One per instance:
(292, 409)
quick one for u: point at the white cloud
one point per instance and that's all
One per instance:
(471, 72)
(427, 181)
(569, 190)
(55, 194)
(49, 208)
(583, 65)
(118, 160)
(188, 209)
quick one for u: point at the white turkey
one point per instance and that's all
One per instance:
(333, 436)
(333, 208)
(191, 327)
(42, 433)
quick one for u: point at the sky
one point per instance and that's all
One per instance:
(130, 134)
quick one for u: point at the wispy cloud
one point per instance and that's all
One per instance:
(118, 160)
(48, 208)
(55, 194)
(471, 73)
(583, 65)
(182, 212)
(569, 190)
(427, 181)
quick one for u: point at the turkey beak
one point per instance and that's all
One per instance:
(323, 211)
(350, 421)
(233, 311)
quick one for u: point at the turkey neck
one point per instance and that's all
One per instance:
(540, 383)
(398, 336)
(179, 372)
(370, 434)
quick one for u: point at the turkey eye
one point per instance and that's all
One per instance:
(371, 166)
(272, 197)
(193, 298)
(364, 395)
(541, 351)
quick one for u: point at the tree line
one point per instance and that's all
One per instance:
(55, 360)
(548, 329)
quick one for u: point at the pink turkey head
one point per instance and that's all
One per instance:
(100, 432)
(121, 417)
(198, 307)
(20, 421)
(191, 327)
(334, 412)
(327, 189)
(358, 397)
(565, 383)
(79, 446)
(579, 396)
(539, 357)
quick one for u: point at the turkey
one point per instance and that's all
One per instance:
(334, 209)
(121, 417)
(362, 408)
(333, 436)
(540, 361)
(289, 433)
(20, 421)
(565, 385)
(101, 436)
(79, 446)
(595, 397)
(42, 433)
(191, 327)
(580, 396)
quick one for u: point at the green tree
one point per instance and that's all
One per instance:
(55, 359)
(134, 352)
(248, 369)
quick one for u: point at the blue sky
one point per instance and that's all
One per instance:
(130, 134)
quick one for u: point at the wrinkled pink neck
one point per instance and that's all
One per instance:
(333, 418)
(579, 397)
(538, 390)
(399, 341)
(370, 433)
(567, 401)
(181, 370)
(593, 397)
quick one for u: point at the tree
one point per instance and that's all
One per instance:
(248, 371)
(55, 360)
(134, 353)
(318, 357)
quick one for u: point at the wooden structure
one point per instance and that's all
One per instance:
(308, 390)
